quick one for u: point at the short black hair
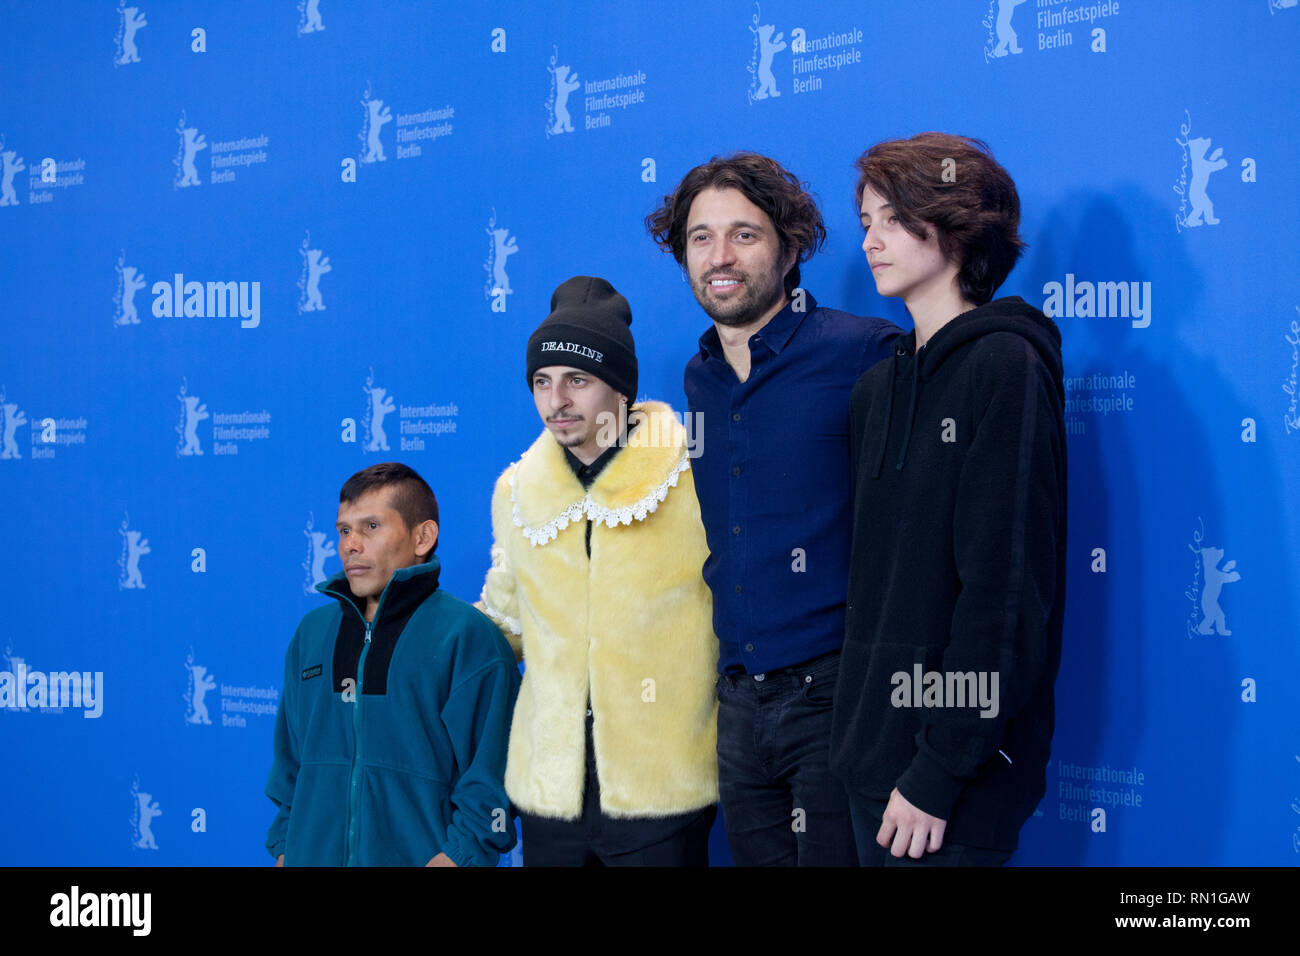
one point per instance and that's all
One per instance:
(412, 498)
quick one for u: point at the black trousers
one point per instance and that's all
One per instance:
(595, 839)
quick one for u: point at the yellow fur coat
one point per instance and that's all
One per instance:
(632, 626)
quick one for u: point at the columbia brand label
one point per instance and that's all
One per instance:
(311, 672)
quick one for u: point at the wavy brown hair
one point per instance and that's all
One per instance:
(954, 184)
(765, 183)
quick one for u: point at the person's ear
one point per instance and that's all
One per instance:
(426, 539)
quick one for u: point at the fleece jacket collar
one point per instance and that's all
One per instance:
(406, 590)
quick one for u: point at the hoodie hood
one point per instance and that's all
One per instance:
(1010, 314)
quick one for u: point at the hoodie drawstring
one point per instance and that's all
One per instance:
(911, 413)
(889, 413)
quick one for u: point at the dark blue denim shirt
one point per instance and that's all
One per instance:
(773, 482)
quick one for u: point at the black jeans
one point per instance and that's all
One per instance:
(780, 804)
(867, 814)
(599, 840)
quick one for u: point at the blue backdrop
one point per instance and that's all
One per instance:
(374, 201)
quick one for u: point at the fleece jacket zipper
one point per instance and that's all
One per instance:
(354, 785)
(354, 780)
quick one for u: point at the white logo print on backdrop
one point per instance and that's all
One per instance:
(1196, 153)
(143, 810)
(193, 411)
(314, 265)
(129, 282)
(767, 44)
(1207, 586)
(814, 61)
(131, 20)
(226, 155)
(425, 125)
(501, 246)
(13, 417)
(377, 116)
(563, 82)
(231, 431)
(199, 683)
(134, 547)
(309, 17)
(417, 423)
(1002, 37)
(10, 165)
(379, 406)
(191, 142)
(320, 548)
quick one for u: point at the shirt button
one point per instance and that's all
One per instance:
(588, 711)
(760, 677)
(736, 470)
(737, 588)
(735, 416)
(736, 530)
(749, 647)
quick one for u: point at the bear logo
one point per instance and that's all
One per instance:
(322, 549)
(381, 403)
(191, 142)
(1008, 42)
(1202, 167)
(201, 683)
(317, 266)
(377, 116)
(8, 443)
(136, 548)
(769, 46)
(132, 21)
(147, 808)
(195, 411)
(310, 17)
(12, 164)
(132, 282)
(565, 83)
(503, 246)
(1215, 579)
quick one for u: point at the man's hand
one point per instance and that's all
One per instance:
(911, 832)
(441, 859)
(279, 860)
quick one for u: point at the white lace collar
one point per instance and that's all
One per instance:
(612, 517)
(629, 489)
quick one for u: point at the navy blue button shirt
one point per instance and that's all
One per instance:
(773, 482)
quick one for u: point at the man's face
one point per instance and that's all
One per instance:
(733, 258)
(902, 265)
(571, 402)
(374, 542)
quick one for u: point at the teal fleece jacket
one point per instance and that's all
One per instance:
(390, 737)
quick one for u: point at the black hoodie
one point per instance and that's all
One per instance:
(958, 567)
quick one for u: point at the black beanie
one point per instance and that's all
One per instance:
(589, 328)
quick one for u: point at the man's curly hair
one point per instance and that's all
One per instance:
(763, 181)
